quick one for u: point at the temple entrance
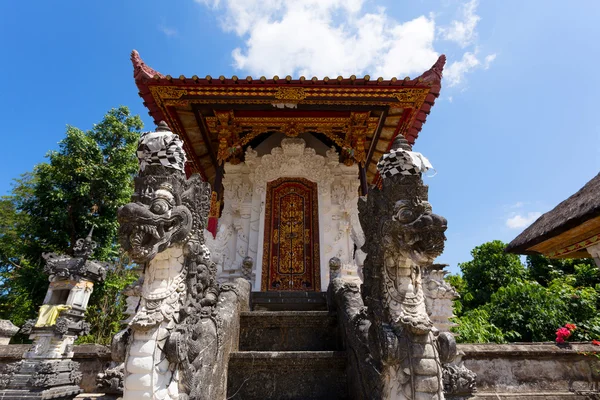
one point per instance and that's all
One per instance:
(291, 241)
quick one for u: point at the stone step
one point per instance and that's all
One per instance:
(289, 375)
(289, 331)
(288, 301)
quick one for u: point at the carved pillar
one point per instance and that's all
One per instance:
(595, 253)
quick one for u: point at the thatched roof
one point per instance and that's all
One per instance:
(580, 207)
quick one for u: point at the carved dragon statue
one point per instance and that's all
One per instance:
(172, 346)
(397, 353)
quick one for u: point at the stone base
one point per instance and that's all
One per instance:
(40, 379)
(63, 392)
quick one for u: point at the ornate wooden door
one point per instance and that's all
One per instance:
(291, 241)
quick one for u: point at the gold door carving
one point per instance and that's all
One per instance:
(291, 241)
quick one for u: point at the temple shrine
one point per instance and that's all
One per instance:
(287, 160)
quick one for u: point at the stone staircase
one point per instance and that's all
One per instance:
(290, 348)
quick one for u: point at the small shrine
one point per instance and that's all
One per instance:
(287, 160)
(47, 370)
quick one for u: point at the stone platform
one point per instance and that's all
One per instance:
(288, 301)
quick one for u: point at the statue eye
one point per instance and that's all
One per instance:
(160, 206)
(405, 215)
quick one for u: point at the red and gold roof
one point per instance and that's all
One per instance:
(217, 118)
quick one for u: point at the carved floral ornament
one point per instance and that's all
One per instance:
(349, 133)
(230, 148)
(292, 159)
(292, 93)
(412, 97)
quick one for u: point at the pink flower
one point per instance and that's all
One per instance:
(571, 327)
(562, 334)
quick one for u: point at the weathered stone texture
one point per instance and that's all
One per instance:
(308, 375)
(533, 367)
(289, 331)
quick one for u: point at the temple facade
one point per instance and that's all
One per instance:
(287, 160)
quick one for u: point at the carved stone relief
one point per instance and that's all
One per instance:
(241, 227)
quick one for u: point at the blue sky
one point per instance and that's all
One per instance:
(514, 132)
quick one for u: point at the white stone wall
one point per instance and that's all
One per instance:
(241, 226)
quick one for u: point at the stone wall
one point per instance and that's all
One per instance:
(91, 357)
(504, 370)
(534, 368)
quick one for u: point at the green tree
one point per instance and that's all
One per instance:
(489, 270)
(501, 301)
(475, 327)
(106, 309)
(535, 312)
(544, 270)
(458, 283)
(82, 185)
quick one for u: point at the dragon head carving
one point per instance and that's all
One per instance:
(417, 232)
(399, 216)
(167, 208)
(402, 237)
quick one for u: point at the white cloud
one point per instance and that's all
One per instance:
(464, 31)
(167, 31)
(340, 37)
(488, 60)
(519, 221)
(456, 71)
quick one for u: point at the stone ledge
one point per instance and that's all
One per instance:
(15, 351)
(547, 349)
(521, 396)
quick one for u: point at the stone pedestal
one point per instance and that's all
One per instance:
(47, 370)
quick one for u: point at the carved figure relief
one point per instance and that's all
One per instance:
(162, 229)
(399, 351)
(241, 227)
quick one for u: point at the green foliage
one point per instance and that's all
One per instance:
(457, 283)
(535, 312)
(80, 187)
(475, 327)
(490, 269)
(502, 301)
(544, 270)
(83, 184)
(107, 305)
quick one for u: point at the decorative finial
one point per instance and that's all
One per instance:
(89, 236)
(401, 160)
(163, 127)
(435, 72)
(400, 142)
(84, 247)
(161, 147)
(140, 69)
